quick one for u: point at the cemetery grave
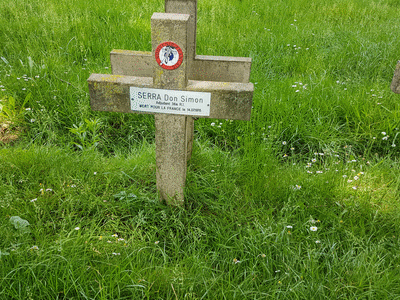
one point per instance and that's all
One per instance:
(182, 84)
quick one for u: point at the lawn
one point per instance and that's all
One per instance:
(301, 202)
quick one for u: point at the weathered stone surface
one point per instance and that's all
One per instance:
(229, 100)
(221, 68)
(171, 134)
(111, 92)
(171, 158)
(131, 63)
(395, 86)
(207, 68)
(170, 27)
(188, 7)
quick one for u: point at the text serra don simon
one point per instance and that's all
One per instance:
(155, 96)
(170, 101)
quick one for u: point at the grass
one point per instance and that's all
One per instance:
(321, 150)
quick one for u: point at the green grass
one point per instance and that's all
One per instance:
(321, 150)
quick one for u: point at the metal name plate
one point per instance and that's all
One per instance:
(170, 101)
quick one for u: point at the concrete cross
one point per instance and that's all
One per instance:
(175, 85)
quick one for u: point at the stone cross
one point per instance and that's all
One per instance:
(395, 86)
(175, 85)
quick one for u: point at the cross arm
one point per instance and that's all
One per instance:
(228, 100)
(206, 68)
(111, 92)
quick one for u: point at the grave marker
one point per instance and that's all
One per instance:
(175, 85)
(395, 86)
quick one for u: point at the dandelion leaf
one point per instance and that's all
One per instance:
(20, 224)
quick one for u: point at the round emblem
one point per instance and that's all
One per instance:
(169, 55)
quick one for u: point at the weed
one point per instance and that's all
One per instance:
(11, 118)
(87, 134)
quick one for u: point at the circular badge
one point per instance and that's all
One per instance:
(169, 55)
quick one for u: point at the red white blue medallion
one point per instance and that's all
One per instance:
(169, 55)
